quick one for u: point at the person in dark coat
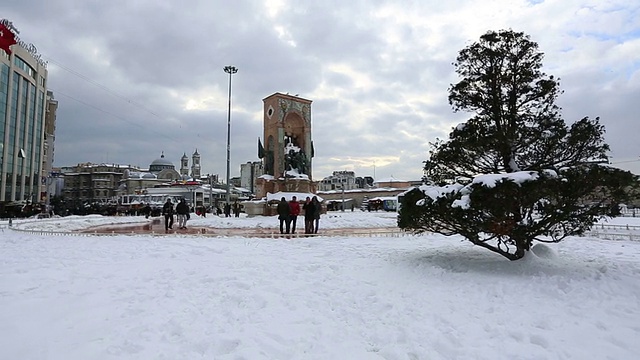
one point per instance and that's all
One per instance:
(146, 210)
(227, 210)
(317, 207)
(294, 209)
(167, 211)
(182, 211)
(309, 215)
(236, 209)
(283, 215)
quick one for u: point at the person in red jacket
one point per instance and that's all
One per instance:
(294, 211)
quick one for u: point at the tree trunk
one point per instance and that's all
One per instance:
(522, 245)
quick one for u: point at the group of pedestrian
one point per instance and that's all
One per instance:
(288, 213)
(228, 208)
(181, 211)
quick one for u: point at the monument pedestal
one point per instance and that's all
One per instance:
(266, 185)
(273, 186)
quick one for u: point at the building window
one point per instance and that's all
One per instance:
(24, 66)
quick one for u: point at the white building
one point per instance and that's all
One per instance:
(339, 180)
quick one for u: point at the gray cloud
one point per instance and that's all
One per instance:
(135, 79)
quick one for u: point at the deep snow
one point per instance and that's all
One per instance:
(411, 297)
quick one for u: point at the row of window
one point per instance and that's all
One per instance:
(85, 193)
(338, 180)
(24, 66)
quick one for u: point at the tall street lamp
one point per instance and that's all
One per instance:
(229, 70)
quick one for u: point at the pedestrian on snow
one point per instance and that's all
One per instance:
(236, 209)
(167, 211)
(182, 211)
(146, 210)
(309, 215)
(227, 210)
(316, 215)
(294, 211)
(283, 215)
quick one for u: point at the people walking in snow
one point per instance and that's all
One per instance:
(283, 215)
(182, 211)
(167, 211)
(294, 211)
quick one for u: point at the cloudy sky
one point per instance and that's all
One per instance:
(138, 78)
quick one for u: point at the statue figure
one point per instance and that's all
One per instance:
(301, 161)
(296, 160)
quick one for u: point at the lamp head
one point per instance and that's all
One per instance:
(230, 69)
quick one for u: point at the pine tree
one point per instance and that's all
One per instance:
(514, 172)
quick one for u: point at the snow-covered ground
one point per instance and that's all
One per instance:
(413, 297)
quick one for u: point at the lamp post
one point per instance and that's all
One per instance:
(229, 70)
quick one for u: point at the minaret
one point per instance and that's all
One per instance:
(184, 165)
(195, 166)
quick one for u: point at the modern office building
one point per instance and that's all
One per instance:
(23, 104)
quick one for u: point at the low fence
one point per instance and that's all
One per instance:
(602, 231)
(239, 233)
(615, 232)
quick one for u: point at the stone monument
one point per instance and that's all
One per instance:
(288, 149)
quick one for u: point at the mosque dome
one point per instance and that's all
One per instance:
(160, 164)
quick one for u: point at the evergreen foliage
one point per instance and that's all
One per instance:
(514, 172)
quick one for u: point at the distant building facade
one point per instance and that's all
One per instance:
(392, 182)
(364, 182)
(23, 104)
(161, 171)
(92, 183)
(249, 173)
(49, 174)
(339, 180)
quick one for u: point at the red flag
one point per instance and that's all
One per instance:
(7, 38)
